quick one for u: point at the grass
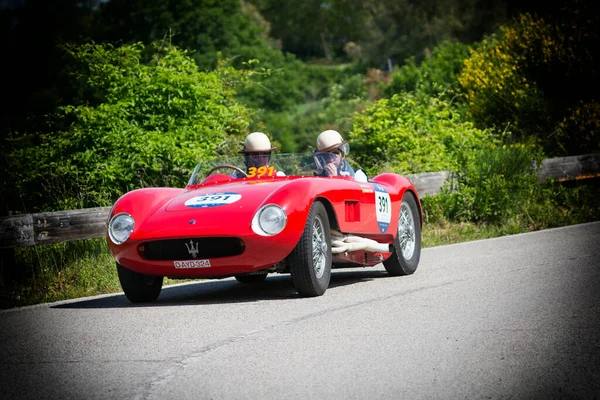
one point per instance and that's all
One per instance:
(60, 271)
(441, 234)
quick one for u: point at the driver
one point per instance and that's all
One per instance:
(257, 152)
(331, 153)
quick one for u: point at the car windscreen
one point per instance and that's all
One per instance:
(288, 164)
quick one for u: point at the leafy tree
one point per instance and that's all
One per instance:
(204, 27)
(152, 124)
(32, 76)
(375, 31)
(434, 74)
(314, 28)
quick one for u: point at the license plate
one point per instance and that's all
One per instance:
(192, 264)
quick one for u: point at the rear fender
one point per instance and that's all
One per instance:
(402, 184)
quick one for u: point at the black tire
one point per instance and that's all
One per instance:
(310, 267)
(407, 244)
(251, 278)
(139, 288)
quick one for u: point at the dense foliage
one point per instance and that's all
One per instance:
(297, 128)
(435, 75)
(410, 134)
(149, 125)
(205, 27)
(534, 76)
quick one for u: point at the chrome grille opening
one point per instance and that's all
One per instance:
(191, 248)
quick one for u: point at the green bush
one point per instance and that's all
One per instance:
(297, 129)
(152, 123)
(499, 187)
(412, 134)
(494, 184)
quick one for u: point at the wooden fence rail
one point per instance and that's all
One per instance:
(61, 226)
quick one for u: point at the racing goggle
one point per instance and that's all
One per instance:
(258, 158)
(331, 157)
(322, 158)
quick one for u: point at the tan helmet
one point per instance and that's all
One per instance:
(330, 140)
(257, 142)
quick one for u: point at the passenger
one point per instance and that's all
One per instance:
(331, 153)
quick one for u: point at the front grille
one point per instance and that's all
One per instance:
(191, 248)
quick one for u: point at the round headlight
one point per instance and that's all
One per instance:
(120, 227)
(269, 220)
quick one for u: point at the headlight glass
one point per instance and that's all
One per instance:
(120, 227)
(269, 220)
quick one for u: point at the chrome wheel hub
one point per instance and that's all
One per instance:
(319, 246)
(406, 231)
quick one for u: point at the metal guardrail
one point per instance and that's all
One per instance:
(61, 226)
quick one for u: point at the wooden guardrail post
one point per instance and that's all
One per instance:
(53, 227)
(570, 168)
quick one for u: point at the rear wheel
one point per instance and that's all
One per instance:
(257, 278)
(407, 245)
(310, 261)
(139, 288)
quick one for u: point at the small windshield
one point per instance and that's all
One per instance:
(286, 164)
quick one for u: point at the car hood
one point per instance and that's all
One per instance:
(231, 196)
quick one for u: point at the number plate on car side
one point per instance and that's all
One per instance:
(192, 264)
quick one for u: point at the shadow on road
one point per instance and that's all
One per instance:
(275, 287)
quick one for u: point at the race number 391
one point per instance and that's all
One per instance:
(383, 208)
(213, 199)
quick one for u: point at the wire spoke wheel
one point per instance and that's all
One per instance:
(319, 248)
(406, 231)
(407, 244)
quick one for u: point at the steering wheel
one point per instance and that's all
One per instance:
(226, 166)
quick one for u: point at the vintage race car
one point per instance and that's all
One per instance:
(248, 223)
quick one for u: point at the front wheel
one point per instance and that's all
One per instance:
(139, 288)
(310, 261)
(407, 244)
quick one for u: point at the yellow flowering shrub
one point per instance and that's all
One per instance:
(497, 88)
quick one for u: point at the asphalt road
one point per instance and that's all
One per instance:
(515, 317)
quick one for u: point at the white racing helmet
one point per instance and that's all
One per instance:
(257, 142)
(331, 140)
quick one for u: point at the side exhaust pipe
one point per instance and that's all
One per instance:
(341, 243)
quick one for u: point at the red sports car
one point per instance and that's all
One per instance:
(247, 223)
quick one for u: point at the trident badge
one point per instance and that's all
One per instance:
(191, 249)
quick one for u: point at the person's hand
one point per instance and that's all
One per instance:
(331, 169)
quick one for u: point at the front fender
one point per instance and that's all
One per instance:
(141, 203)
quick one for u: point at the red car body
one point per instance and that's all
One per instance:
(205, 230)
